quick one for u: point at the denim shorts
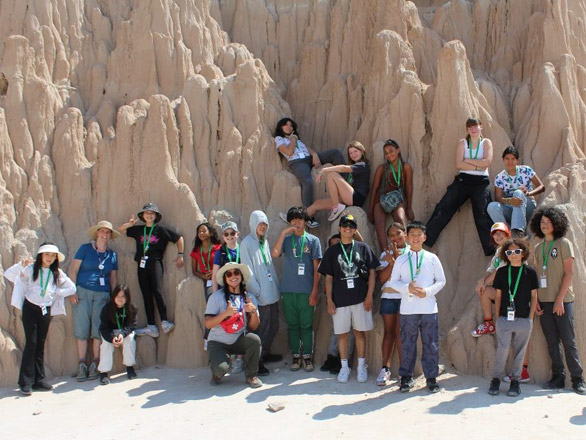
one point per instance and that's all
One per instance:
(389, 306)
(86, 313)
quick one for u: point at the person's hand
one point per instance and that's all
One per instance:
(523, 189)
(249, 307)
(331, 308)
(179, 261)
(515, 201)
(420, 292)
(313, 298)
(368, 303)
(410, 214)
(288, 230)
(26, 261)
(318, 177)
(480, 289)
(230, 310)
(558, 307)
(412, 287)
(132, 221)
(74, 299)
(538, 309)
(293, 138)
(315, 160)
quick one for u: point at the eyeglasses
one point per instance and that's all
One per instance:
(235, 272)
(510, 252)
(229, 234)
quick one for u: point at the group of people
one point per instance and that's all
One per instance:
(243, 291)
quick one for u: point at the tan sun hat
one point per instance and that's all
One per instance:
(244, 270)
(93, 231)
(51, 249)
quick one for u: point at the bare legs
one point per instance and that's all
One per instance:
(391, 338)
(82, 348)
(380, 218)
(340, 192)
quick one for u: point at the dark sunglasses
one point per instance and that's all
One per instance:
(229, 234)
(348, 225)
(234, 272)
(510, 252)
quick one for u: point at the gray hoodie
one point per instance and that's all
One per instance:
(251, 254)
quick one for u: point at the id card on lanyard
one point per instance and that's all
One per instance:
(300, 265)
(145, 246)
(44, 288)
(350, 260)
(543, 278)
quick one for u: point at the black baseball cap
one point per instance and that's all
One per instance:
(348, 220)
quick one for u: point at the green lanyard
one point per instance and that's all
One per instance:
(477, 148)
(350, 178)
(405, 249)
(546, 255)
(123, 316)
(147, 242)
(293, 244)
(206, 263)
(396, 176)
(496, 263)
(512, 181)
(349, 258)
(418, 265)
(44, 288)
(261, 245)
(512, 297)
(229, 254)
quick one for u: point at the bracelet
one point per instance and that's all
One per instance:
(179, 253)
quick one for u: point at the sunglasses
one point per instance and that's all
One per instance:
(235, 272)
(510, 252)
(229, 234)
(348, 225)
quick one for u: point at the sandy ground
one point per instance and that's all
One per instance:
(164, 403)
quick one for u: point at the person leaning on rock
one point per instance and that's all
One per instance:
(93, 269)
(151, 242)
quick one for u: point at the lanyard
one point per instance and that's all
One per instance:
(477, 148)
(261, 245)
(512, 297)
(293, 244)
(123, 316)
(350, 178)
(396, 176)
(44, 288)
(229, 254)
(546, 255)
(417, 264)
(496, 263)
(349, 258)
(101, 263)
(405, 249)
(511, 180)
(147, 242)
(206, 263)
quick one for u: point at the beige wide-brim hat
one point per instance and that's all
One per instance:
(51, 249)
(93, 231)
(229, 266)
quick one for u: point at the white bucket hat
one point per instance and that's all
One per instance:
(51, 248)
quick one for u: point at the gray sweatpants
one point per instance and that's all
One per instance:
(517, 333)
(411, 326)
(269, 326)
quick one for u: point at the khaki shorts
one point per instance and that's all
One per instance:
(352, 317)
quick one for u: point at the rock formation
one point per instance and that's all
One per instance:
(107, 104)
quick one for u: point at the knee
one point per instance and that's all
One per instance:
(252, 339)
(493, 208)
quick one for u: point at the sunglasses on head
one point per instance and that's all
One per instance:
(234, 272)
(230, 234)
(510, 252)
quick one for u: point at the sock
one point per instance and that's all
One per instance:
(386, 368)
(361, 361)
(344, 363)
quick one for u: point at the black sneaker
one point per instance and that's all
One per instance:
(104, 379)
(557, 382)
(337, 366)
(272, 358)
(494, 388)
(578, 385)
(432, 385)
(312, 223)
(42, 386)
(407, 383)
(130, 373)
(26, 390)
(514, 389)
(262, 370)
(328, 364)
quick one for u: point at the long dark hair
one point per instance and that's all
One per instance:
(130, 309)
(227, 291)
(279, 129)
(213, 235)
(54, 268)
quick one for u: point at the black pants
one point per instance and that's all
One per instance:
(559, 330)
(464, 187)
(150, 280)
(36, 327)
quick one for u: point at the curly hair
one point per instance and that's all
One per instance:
(558, 218)
(519, 242)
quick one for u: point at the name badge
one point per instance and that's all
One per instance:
(102, 281)
(350, 283)
(44, 310)
(510, 313)
(301, 269)
(270, 276)
(101, 267)
(143, 262)
(543, 282)
(209, 283)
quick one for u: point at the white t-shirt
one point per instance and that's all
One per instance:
(300, 152)
(509, 184)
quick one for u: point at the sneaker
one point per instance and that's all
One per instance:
(407, 383)
(336, 212)
(262, 370)
(42, 386)
(254, 382)
(167, 327)
(578, 385)
(272, 358)
(344, 374)
(26, 390)
(216, 380)
(384, 376)
(93, 372)
(514, 389)
(557, 382)
(486, 328)
(104, 379)
(283, 217)
(518, 233)
(296, 363)
(312, 223)
(337, 365)
(494, 387)
(238, 366)
(81, 372)
(362, 373)
(328, 364)
(149, 330)
(432, 385)
(524, 376)
(308, 364)
(130, 373)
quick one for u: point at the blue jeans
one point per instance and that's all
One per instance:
(514, 216)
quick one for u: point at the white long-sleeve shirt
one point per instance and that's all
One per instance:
(431, 277)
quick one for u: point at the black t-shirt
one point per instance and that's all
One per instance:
(360, 178)
(527, 283)
(158, 240)
(334, 263)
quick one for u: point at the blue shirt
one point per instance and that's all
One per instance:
(291, 281)
(218, 255)
(89, 273)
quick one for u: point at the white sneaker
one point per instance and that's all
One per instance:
(152, 331)
(167, 327)
(336, 212)
(384, 376)
(283, 217)
(344, 374)
(238, 365)
(142, 331)
(362, 373)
